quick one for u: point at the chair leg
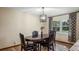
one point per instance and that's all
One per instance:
(39, 47)
(52, 47)
(21, 48)
(34, 47)
(48, 48)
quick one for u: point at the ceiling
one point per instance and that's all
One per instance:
(49, 11)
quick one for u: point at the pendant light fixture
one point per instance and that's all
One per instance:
(43, 17)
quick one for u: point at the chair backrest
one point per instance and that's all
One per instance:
(52, 36)
(22, 39)
(35, 34)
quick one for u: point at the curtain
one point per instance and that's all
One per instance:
(50, 20)
(72, 27)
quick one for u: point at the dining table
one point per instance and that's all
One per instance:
(37, 39)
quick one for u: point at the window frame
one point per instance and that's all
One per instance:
(60, 26)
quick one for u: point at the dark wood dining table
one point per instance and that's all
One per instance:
(37, 39)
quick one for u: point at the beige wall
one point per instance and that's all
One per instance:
(61, 18)
(12, 22)
(9, 27)
(77, 27)
(46, 27)
(31, 23)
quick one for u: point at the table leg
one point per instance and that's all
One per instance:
(39, 47)
(34, 47)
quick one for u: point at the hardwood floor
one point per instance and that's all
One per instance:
(14, 48)
(18, 48)
(68, 45)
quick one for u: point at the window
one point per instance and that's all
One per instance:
(65, 26)
(60, 26)
(56, 25)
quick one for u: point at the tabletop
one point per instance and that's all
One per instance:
(39, 38)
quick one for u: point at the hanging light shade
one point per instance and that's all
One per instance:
(43, 17)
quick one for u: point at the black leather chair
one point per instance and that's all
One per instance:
(35, 34)
(25, 45)
(50, 42)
